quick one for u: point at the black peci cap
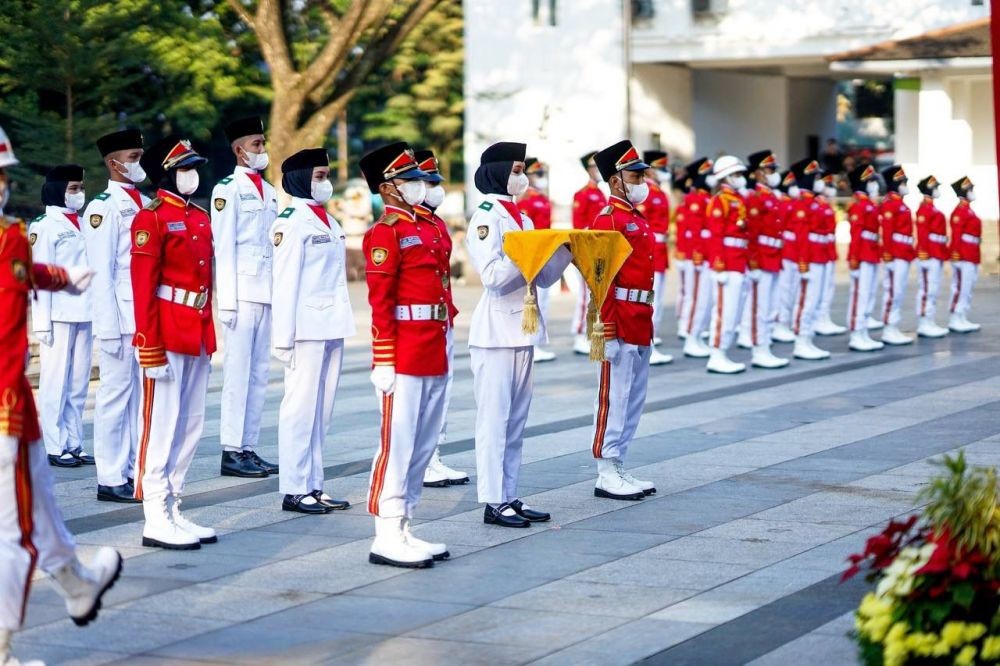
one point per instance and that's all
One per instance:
(128, 139)
(504, 151)
(244, 127)
(307, 158)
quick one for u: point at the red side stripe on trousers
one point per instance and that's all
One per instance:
(382, 462)
(958, 289)
(718, 322)
(603, 407)
(25, 517)
(889, 295)
(148, 388)
(801, 305)
(923, 297)
(694, 299)
(753, 314)
(855, 288)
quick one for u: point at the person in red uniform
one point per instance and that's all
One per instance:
(439, 475)
(174, 337)
(897, 252)
(627, 315)
(932, 252)
(764, 229)
(410, 320)
(966, 236)
(588, 202)
(656, 210)
(827, 227)
(728, 257)
(536, 205)
(863, 257)
(692, 223)
(789, 200)
(32, 531)
(813, 259)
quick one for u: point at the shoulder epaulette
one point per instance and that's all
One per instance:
(102, 196)
(486, 205)
(37, 219)
(607, 210)
(194, 205)
(287, 212)
(154, 204)
(390, 219)
(226, 180)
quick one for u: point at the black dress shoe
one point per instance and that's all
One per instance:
(124, 494)
(83, 457)
(332, 504)
(495, 516)
(268, 467)
(295, 503)
(529, 514)
(67, 459)
(238, 463)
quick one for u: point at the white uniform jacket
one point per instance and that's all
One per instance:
(55, 240)
(241, 223)
(309, 295)
(107, 228)
(496, 321)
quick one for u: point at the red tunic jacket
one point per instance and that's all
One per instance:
(630, 321)
(810, 236)
(932, 232)
(826, 225)
(587, 204)
(172, 251)
(966, 233)
(765, 226)
(897, 229)
(537, 206)
(656, 210)
(728, 248)
(692, 224)
(791, 221)
(864, 247)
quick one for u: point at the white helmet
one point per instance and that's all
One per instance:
(6, 151)
(727, 165)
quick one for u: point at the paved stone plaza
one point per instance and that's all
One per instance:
(766, 482)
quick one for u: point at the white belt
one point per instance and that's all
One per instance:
(705, 233)
(831, 237)
(254, 250)
(770, 241)
(788, 235)
(730, 241)
(820, 238)
(660, 238)
(969, 238)
(937, 238)
(902, 238)
(869, 236)
(433, 312)
(634, 295)
(192, 299)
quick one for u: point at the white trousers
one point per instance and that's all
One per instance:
(894, 280)
(544, 296)
(727, 309)
(963, 280)
(63, 380)
(173, 418)
(304, 415)
(116, 415)
(702, 297)
(502, 386)
(32, 531)
(621, 396)
(685, 283)
(862, 299)
(244, 376)
(807, 299)
(450, 347)
(756, 321)
(928, 285)
(582, 292)
(788, 289)
(659, 285)
(826, 296)
(411, 423)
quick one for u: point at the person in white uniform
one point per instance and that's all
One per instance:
(244, 206)
(311, 316)
(501, 353)
(61, 322)
(107, 227)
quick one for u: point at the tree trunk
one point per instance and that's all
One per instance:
(342, 154)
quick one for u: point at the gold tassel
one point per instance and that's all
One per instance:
(597, 342)
(529, 318)
(591, 314)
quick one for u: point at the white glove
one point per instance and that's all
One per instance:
(804, 276)
(286, 356)
(612, 348)
(79, 279)
(160, 372)
(855, 273)
(721, 277)
(44, 338)
(384, 378)
(754, 275)
(8, 451)
(111, 346)
(228, 318)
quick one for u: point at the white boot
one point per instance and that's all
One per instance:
(763, 358)
(718, 362)
(204, 534)
(695, 348)
(861, 343)
(970, 325)
(542, 355)
(781, 333)
(391, 547)
(647, 487)
(439, 475)
(437, 551)
(872, 342)
(825, 326)
(160, 531)
(807, 351)
(611, 484)
(6, 658)
(581, 345)
(83, 587)
(893, 336)
(928, 329)
(874, 324)
(956, 324)
(744, 341)
(656, 358)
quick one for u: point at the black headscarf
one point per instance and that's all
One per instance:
(54, 193)
(169, 183)
(491, 178)
(298, 183)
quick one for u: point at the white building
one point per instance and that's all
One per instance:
(708, 76)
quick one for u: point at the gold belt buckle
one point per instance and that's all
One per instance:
(200, 300)
(440, 313)
(649, 297)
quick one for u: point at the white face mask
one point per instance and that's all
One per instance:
(936, 193)
(187, 182)
(321, 190)
(434, 196)
(871, 187)
(794, 191)
(970, 195)
(636, 193)
(773, 179)
(830, 192)
(517, 184)
(75, 200)
(738, 182)
(818, 186)
(903, 190)
(257, 161)
(664, 177)
(133, 171)
(541, 183)
(413, 191)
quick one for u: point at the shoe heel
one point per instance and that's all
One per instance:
(598, 492)
(153, 543)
